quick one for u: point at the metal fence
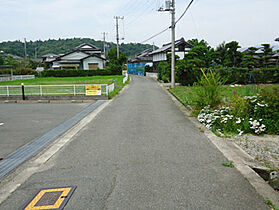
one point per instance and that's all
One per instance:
(16, 77)
(47, 90)
(125, 78)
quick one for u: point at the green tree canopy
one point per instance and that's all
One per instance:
(112, 57)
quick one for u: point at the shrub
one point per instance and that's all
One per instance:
(110, 70)
(19, 71)
(271, 112)
(246, 75)
(187, 74)
(208, 89)
(164, 71)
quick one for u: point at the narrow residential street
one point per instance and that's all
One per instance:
(141, 152)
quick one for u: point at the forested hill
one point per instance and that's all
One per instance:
(61, 46)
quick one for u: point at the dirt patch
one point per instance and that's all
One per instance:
(264, 149)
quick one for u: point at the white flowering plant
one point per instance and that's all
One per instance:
(242, 115)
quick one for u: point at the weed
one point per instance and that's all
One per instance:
(228, 164)
(266, 149)
(271, 205)
(201, 129)
(268, 165)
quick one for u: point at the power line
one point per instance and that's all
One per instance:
(184, 12)
(155, 35)
(170, 26)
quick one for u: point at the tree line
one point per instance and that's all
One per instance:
(61, 46)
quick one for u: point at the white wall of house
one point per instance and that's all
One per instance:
(160, 57)
(93, 60)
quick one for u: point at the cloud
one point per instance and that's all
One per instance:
(250, 22)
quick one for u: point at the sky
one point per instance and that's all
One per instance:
(250, 22)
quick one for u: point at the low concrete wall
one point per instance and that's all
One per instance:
(103, 97)
(153, 75)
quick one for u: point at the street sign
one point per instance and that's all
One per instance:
(93, 90)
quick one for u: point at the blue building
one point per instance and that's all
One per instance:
(137, 64)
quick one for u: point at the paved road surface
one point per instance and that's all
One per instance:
(140, 152)
(25, 122)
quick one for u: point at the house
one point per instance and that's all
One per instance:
(161, 54)
(136, 65)
(85, 56)
(48, 59)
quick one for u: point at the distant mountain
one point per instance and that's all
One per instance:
(62, 46)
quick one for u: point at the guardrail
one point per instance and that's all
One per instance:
(110, 88)
(16, 77)
(125, 78)
(48, 90)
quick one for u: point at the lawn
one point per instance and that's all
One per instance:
(67, 80)
(186, 93)
(68, 90)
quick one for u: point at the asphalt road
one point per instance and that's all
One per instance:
(141, 152)
(25, 122)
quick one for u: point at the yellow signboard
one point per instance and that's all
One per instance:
(93, 90)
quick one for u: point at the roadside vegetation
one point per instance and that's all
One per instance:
(229, 91)
(230, 109)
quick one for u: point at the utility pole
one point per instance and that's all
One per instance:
(104, 42)
(36, 53)
(170, 6)
(117, 33)
(173, 44)
(25, 50)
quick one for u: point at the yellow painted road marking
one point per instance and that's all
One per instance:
(65, 192)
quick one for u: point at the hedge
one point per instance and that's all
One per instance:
(233, 75)
(21, 71)
(246, 76)
(111, 69)
(76, 73)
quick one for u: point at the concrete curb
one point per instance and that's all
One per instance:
(242, 161)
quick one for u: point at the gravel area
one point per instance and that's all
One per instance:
(264, 148)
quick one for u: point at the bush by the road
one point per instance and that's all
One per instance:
(109, 70)
(188, 75)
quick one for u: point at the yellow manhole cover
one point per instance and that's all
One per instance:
(50, 198)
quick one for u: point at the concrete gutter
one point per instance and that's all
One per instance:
(242, 161)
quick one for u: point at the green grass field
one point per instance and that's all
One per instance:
(66, 90)
(186, 93)
(67, 80)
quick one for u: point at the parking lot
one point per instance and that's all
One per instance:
(23, 123)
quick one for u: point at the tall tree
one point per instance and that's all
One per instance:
(267, 53)
(1, 60)
(233, 57)
(112, 57)
(220, 54)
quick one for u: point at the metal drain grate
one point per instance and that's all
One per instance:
(50, 198)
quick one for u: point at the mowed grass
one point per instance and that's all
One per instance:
(64, 90)
(186, 94)
(67, 80)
